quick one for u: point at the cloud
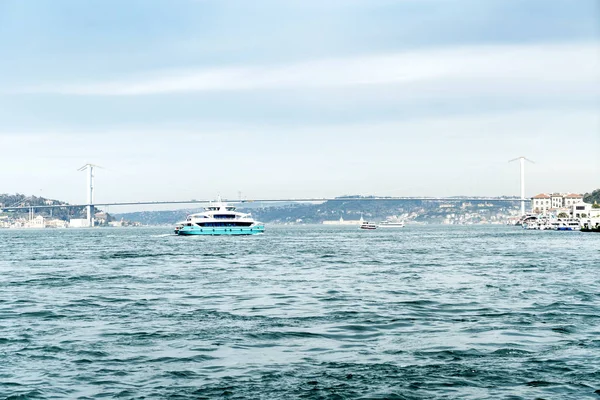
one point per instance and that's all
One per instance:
(501, 67)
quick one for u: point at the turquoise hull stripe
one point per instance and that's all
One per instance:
(199, 230)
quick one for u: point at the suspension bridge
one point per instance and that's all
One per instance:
(91, 205)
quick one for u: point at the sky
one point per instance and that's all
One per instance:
(182, 99)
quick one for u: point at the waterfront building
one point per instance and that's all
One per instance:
(78, 223)
(544, 202)
(37, 222)
(101, 218)
(541, 203)
(584, 210)
(572, 198)
(56, 223)
(556, 200)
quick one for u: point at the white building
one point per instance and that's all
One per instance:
(37, 222)
(571, 199)
(78, 223)
(588, 215)
(56, 223)
(556, 200)
(544, 202)
(584, 210)
(541, 203)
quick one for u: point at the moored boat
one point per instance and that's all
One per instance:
(525, 220)
(568, 224)
(586, 229)
(590, 225)
(552, 223)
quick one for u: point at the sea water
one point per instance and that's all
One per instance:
(311, 312)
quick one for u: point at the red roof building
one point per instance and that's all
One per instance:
(543, 202)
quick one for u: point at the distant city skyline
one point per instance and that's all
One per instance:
(303, 98)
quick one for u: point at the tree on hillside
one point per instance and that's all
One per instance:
(593, 197)
(15, 200)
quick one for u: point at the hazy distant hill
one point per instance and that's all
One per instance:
(426, 211)
(156, 217)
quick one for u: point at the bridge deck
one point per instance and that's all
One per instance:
(296, 200)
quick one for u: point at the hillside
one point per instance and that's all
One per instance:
(419, 211)
(13, 200)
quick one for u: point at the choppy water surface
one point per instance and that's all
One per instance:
(300, 312)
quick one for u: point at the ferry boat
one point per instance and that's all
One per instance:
(219, 219)
(554, 224)
(568, 224)
(526, 219)
(541, 223)
(368, 225)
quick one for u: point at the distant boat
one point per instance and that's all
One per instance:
(392, 223)
(219, 219)
(368, 225)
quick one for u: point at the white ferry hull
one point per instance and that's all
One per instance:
(233, 231)
(219, 219)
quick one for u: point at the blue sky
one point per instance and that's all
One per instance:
(190, 99)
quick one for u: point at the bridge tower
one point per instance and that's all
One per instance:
(90, 192)
(522, 160)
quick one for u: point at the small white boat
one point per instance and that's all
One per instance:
(391, 224)
(368, 225)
